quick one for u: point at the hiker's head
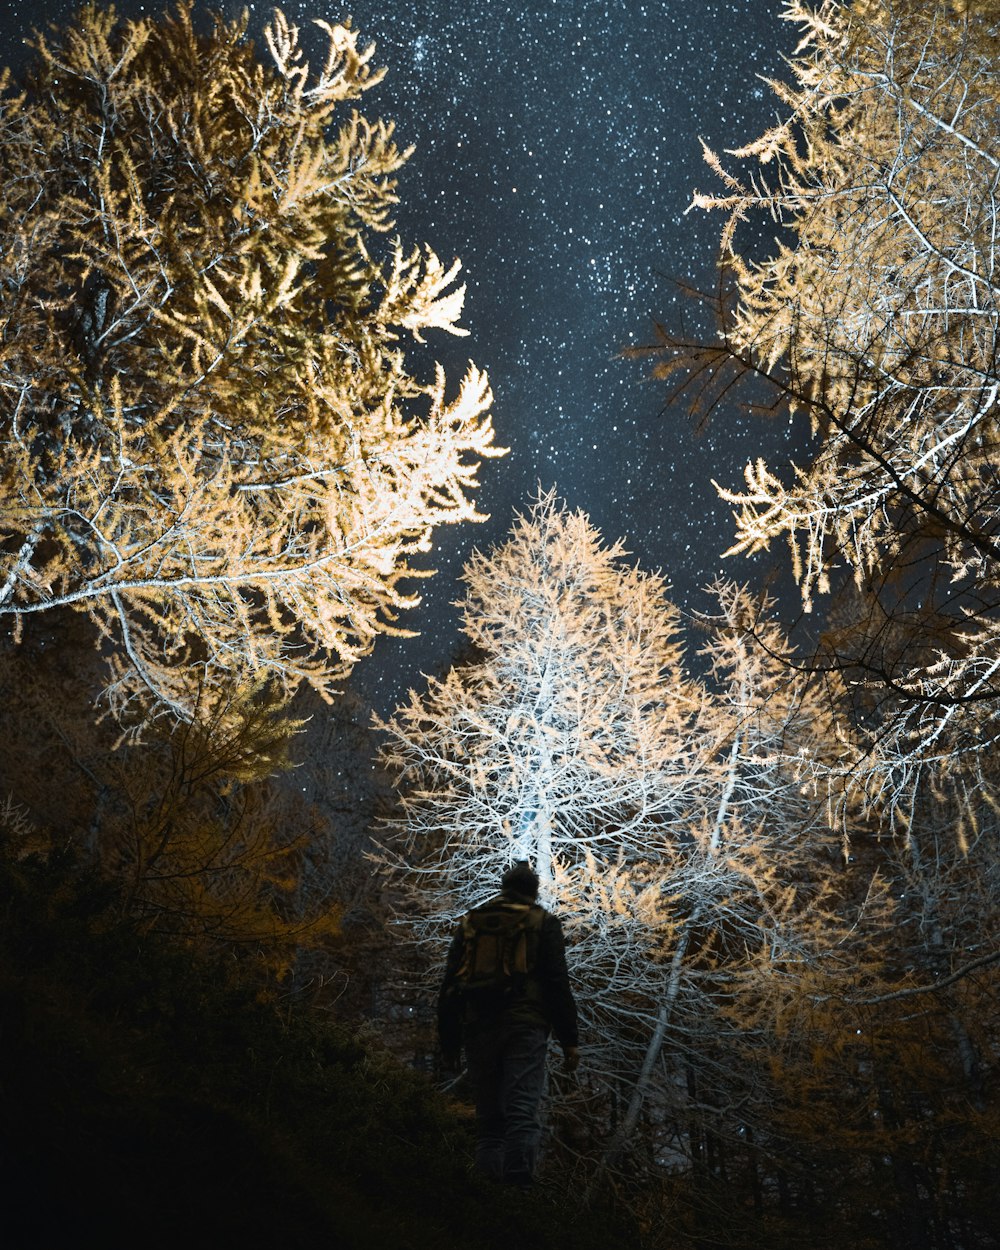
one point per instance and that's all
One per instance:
(520, 879)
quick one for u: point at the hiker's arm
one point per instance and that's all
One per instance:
(554, 977)
(450, 1008)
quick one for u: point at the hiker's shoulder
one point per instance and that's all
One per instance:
(497, 903)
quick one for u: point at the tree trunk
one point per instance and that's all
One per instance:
(672, 987)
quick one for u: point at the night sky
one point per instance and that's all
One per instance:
(556, 151)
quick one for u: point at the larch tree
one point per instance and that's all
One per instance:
(567, 742)
(749, 901)
(876, 315)
(188, 824)
(874, 1068)
(669, 832)
(212, 441)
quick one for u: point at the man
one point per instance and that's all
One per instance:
(506, 987)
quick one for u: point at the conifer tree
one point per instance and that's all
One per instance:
(189, 824)
(212, 439)
(876, 316)
(754, 892)
(674, 832)
(569, 743)
(872, 1064)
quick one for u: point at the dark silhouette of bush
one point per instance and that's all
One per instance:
(152, 1097)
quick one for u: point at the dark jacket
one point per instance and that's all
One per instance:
(544, 999)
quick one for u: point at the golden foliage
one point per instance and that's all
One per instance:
(679, 828)
(881, 302)
(876, 313)
(186, 822)
(212, 442)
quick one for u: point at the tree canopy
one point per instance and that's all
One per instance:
(212, 441)
(876, 315)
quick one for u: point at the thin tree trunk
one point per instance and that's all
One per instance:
(631, 1117)
(672, 988)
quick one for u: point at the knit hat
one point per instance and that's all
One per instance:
(520, 878)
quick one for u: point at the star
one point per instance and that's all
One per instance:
(556, 149)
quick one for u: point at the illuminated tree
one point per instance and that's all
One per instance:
(211, 440)
(672, 831)
(569, 742)
(752, 894)
(877, 316)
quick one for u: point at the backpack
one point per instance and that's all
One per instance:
(500, 945)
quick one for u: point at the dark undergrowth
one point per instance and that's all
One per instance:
(152, 1097)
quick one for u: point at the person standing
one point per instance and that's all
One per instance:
(505, 989)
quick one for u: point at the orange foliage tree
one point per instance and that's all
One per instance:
(190, 824)
(211, 439)
(875, 315)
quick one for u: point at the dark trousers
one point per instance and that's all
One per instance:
(507, 1070)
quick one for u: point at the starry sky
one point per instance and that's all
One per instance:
(556, 151)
